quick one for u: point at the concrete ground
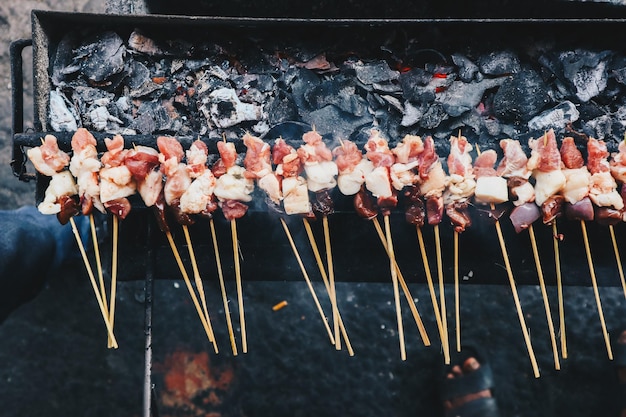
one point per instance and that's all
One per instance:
(55, 361)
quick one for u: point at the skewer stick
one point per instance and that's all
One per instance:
(617, 258)
(220, 274)
(559, 289)
(518, 306)
(442, 295)
(92, 279)
(308, 281)
(396, 294)
(544, 293)
(320, 265)
(242, 318)
(457, 296)
(96, 251)
(199, 286)
(113, 275)
(596, 293)
(431, 288)
(331, 279)
(183, 272)
(405, 288)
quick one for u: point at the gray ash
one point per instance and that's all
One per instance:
(131, 83)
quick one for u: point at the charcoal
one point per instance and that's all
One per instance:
(499, 63)
(461, 97)
(62, 115)
(340, 92)
(375, 72)
(303, 81)
(394, 102)
(227, 110)
(557, 117)
(101, 119)
(63, 64)
(287, 130)
(466, 68)
(388, 88)
(521, 96)
(600, 127)
(586, 71)
(102, 58)
(415, 76)
(433, 116)
(492, 126)
(412, 114)
(152, 117)
(331, 121)
(138, 75)
(281, 108)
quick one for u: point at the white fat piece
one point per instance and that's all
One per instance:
(62, 183)
(296, 196)
(150, 188)
(402, 175)
(198, 195)
(115, 183)
(436, 182)
(234, 185)
(350, 183)
(459, 189)
(321, 175)
(491, 190)
(547, 184)
(36, 157)
(269, 184)
(576, 184)
(602, 191)
(378, 182)
(525, 193)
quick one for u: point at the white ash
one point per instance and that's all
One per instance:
(62, 117)
(557, 117)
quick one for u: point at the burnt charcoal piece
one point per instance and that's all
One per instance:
(62, 66)
(415, 87)
(466, 68)
(281, 108)
(340, 92)
(521, 97)
(586, 71)
(461, 97)
(557, 117)
(499, 63)
(433, 116)
(102, 58)
(332, 121)
(375, 72)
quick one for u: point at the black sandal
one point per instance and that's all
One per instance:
(471, 383)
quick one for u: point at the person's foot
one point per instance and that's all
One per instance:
(467, 387)
(470, 365)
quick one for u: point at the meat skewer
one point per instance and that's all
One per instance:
(602, 192)
(491, 195)
(407, 153)
(233, 188)
(178, 180)
(321, 171)
(379, 183)
(618, 170)
(353, 168)
(257, 162)
(459, 189)
(49, 160)
(84, 166)
(514, 167)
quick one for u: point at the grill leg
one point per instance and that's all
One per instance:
(149, 396)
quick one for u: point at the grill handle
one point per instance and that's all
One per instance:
(18, 161)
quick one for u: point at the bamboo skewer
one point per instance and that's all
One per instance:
(199, 285)
(331, 281)
(220, 274)
(442, 295)
(242, 318)
(544, 293)
(405, 288)
(433, 296)
(96, 251)
(518, 306)
(596, 293)
(559, 288)
(457, 295)
(183, 272)
(618, 258)
(92, 279)
(322, 270)
(113, 275)
(308, 281)
(396, 294)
